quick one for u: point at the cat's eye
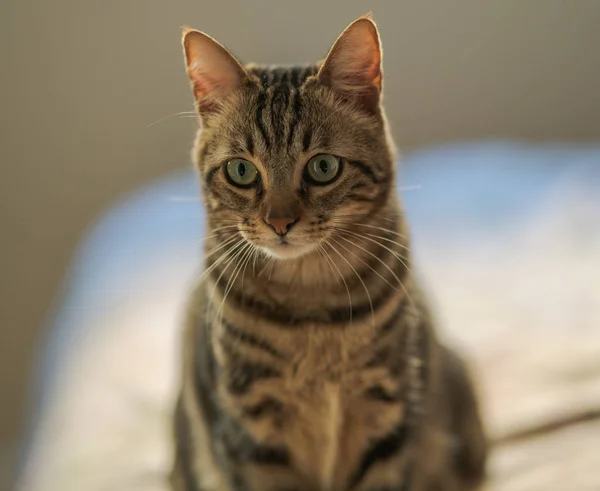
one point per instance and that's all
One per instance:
(322, 169)
(241, 172)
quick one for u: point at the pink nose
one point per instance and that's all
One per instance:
(281, 225)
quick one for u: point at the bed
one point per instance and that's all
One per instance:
(506, 240)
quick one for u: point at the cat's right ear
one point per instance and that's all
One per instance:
(214, 72)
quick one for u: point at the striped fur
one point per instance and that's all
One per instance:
(310, 362)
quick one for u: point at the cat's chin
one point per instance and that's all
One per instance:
(287, 251)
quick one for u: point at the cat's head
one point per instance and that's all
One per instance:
(289, 155)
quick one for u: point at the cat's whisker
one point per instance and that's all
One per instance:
(388, 219)
(179, 114)
(243, 262)
(224, 257)
(359, 278)
(272, 267)
(363, 235)
(367, 236)
(214, 265)
(226, 223)
(221, 258)
(394, 253)
(368, 214)
(206, 237)
(256, 255)
(224, 227)
(230, 224)
(323, 253)
(227, 220)
(268, 263)
(233, 277)
(332, 262)
(393, 232)
(364, 249)
(398, 257)
(253, 253)
(362, 261)
(223, 244)
(403, 246)
(233, 259)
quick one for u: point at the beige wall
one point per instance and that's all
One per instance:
(82, 80)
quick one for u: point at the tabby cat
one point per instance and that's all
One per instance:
(310, 361)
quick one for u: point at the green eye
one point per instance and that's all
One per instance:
(323, 169)
(241, 172)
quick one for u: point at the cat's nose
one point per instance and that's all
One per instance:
(281, 225)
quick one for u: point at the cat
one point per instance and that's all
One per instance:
(310, 360)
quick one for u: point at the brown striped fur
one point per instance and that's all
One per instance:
(310, 361)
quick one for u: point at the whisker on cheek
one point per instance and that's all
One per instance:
(222, 245)
(182, 114)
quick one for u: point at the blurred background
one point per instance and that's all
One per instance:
(82, 84)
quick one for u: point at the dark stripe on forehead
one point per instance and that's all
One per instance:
(278, 75)
(295, 76)
(261, 103)
(296, 115)
(279, 103)
(249, 143)
(264, 76)
(284, 76)
(307, 139)
(307, 71)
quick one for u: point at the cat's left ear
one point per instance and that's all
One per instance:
(214, 72)
(352, 68)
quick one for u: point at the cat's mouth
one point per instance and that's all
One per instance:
(286, 250)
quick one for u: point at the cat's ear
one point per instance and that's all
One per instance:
(353, 66)
(214, 72)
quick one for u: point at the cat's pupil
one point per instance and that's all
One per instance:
(323, 166)
(242, 170)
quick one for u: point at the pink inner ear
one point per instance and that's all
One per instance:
(202, 82)
(354, 61)
(210, 86)
(363, 66)
(213, 71)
